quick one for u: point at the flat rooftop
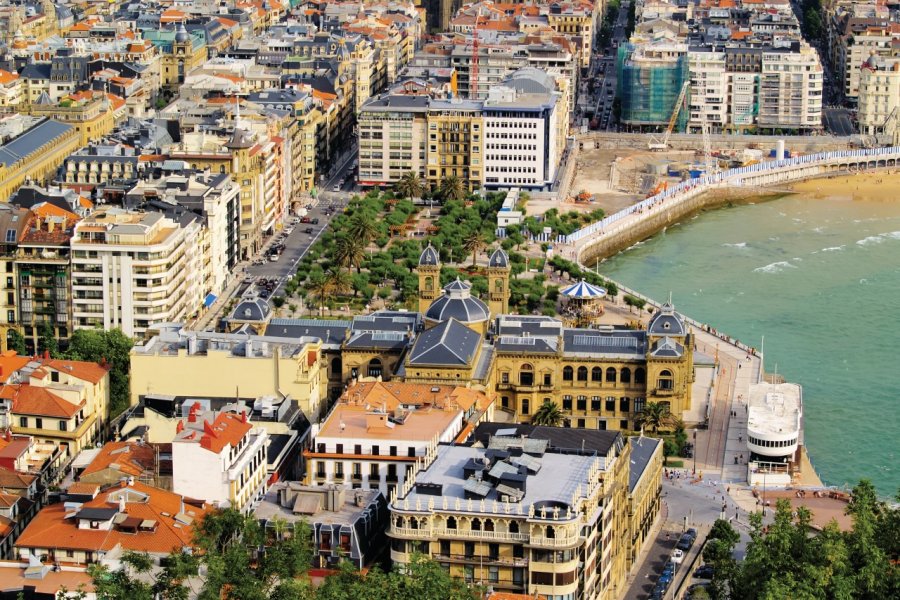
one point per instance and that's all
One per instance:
(559, 476)
(775, 408)
(347, 514)
(351, 421)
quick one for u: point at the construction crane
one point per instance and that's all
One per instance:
(659, 145)
(473, 72)
(711, 165)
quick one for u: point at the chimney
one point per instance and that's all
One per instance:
(243, 416)
(121, 502)
(46, 354)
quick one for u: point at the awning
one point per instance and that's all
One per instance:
(210, 298)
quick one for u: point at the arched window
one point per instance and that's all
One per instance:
(513, 527)
(413, 523)
(451, 522)
(625, 375)
(567, 373)
(476, 524)
(429, 284)
(399, 522)
(375, 368)
(488, 525)
(498, 285)
(596, 374)
(610, 375)
(665, 381)
(336, 366)
(639, 375)
(582, 373)
(526, 375)
(551, 532)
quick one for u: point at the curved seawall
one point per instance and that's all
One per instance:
(642, 220)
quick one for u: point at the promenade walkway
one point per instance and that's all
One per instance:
(761, 174)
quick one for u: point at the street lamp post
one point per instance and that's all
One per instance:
(695, 453)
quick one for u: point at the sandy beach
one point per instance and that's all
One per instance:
(879, 185)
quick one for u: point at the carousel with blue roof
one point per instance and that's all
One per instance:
(582, 304)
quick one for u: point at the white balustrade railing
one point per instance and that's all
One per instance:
(692, 187)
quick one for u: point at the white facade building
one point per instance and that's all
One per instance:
(879, 97)
(774, 431)
(524, 131)
(791, 89)
(132, 270)
(220, 458)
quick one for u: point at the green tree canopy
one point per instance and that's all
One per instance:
(112, 347)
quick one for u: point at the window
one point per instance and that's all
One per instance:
(23, 421)
(568, 372)
(10, 236)
(451, 522)
(411, 451)
(63, 425)
(445, 547)
(525, 406)
(625, 375)
(504, 377)
(493, 574)
(623, 424)
(376, 450)
(513, 527)
(601, 424)
(639, 375)
(38, 423)
(489, 526)
(665, 381)
(639, 405)
(374, 368)
(582, 373)
(393, 451)
(582, 403)
(623, 405)
(339, 449)
(567, 402)
(610, 403)
(526, 375)
(357, 449)
(595, 402)
(610, 375)
(596, 374)
(504, 401)
(476, 524)
(548, 379)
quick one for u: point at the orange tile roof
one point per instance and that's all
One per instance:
(9, 362)
(172, 15)
(45, 209)
(129, 458)
(81, 369)
(7, 77)
(33, 400)
(51, 529)
(227, 429)
(7, 500)
(227, 22)
(14, 480)
(12, 579)
(80, 487)
(392, 394)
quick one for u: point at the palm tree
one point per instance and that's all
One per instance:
(363, 226)
(452, 188)
(547, 414)
(338, 281)
(474, 243)
(654, 416)
(349, 252)
(410, 185)
(319, 288)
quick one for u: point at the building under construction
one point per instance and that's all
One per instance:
(650, 79)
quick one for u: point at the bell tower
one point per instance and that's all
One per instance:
(498, 282)
(429, 271)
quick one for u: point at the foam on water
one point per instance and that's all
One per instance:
(827, 325)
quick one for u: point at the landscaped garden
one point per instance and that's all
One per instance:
(367, 257)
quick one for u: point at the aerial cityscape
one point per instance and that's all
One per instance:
(449, 299)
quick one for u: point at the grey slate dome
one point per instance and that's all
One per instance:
(499, 259)
(458, 303)
(667, 322)
(429, 257)
(251, 310)
(181, 34)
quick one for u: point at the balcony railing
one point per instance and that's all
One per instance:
(487, 560)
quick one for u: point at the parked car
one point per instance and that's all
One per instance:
(685, 543)
(305, 219)
(677, 556)
(336, 188)
(315, 221)
(704, 572)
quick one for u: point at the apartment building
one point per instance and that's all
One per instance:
(790, 89)
(879, 97)
(644, 492)
(375, 433)
(13, 222)
(392, 138)
(131, 516)
(60, 402)
(494, 513)
(93, 114)
(133, 270)
(220, 458)
(215, 199)
(35, 154)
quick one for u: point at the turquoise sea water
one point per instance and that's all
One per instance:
(820, 279)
